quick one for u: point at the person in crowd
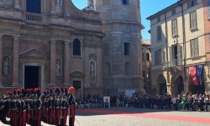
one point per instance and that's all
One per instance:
(206, 102)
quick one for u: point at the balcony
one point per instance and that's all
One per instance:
(33, 18)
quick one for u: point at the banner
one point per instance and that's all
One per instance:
(193, 74)
(200, 73)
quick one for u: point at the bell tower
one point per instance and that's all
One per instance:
(121, 21)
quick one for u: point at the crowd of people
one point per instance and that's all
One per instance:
(190, 102)
(181, 102)
(31, 107)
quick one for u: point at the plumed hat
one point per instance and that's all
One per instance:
(71, 90)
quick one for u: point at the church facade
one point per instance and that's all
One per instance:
(49, 43)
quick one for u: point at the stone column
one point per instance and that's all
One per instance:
(52, 62)
(15, 69)
(1, 44)
(52, 11)
(66, 64)
(17, 4)
(66, 13)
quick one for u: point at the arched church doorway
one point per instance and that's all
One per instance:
(162, 84)
(178, 85)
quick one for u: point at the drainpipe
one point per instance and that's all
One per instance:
(167, 65)
(184, 43)
(166, 30)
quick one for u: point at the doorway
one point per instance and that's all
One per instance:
(77, 86)
(32, 77)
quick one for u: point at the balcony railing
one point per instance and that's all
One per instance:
(32, 17)
(173, 63)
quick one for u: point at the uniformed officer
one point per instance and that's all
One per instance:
(71, 102)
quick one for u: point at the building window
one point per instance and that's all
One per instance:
(33, 6)
(59, 3)
(126, 49)
(208, 9)
(147, 57)
(143, 57)
(194, 47)
(173, 11)
(125, 2)
(174, 27)
(174, 52)
(158, 19)
(159, 37)
(158, 58)
(193, 20)
(92, 68)
(191, 3)
(76, 47)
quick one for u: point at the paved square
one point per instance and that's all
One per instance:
(120, 116)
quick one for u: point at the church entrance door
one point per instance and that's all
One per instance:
(32, 77)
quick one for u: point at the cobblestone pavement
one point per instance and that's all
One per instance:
(121, 116)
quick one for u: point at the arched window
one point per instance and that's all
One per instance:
(92, 68)
(76, 47)
(127, 68)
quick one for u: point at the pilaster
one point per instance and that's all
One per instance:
(66, 64)
(66, 13)
(52, 61)
(52, 11)
(15, 70)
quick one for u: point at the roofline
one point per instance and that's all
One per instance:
(166, 9)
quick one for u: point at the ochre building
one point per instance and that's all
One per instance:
(180, 37)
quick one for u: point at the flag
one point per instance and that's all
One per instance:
(193, 74)
(200, 73)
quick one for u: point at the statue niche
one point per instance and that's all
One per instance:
(6, 65)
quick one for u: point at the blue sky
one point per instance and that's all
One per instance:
(148, 7)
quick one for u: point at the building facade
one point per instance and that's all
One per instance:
(180, 42)
(122, 44)
(48, 43)
(146, 65)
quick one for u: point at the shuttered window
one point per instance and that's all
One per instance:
(174, 27)
(193, 20)
(159, 37)
(194, 47)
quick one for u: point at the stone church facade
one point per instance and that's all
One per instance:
(48, 43)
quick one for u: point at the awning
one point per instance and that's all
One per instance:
(193, 74)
